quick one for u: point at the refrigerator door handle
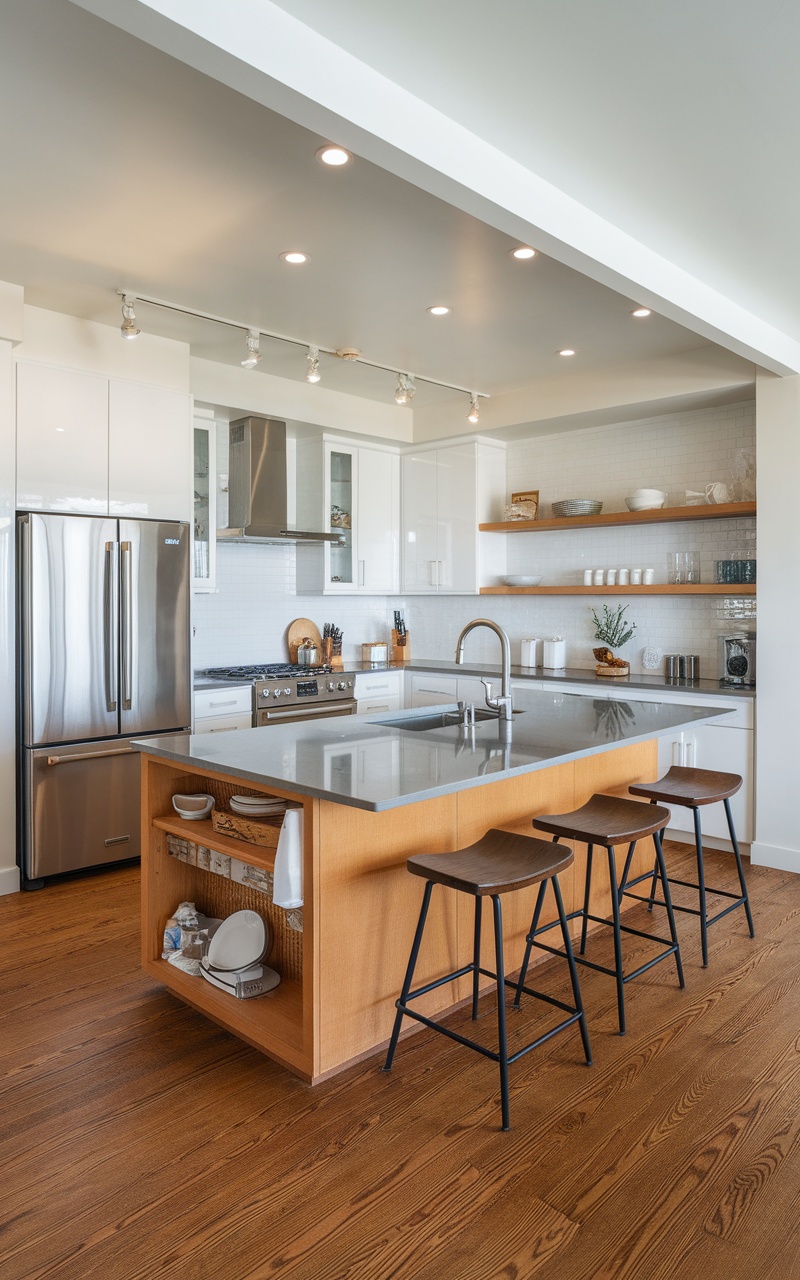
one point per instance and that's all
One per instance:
(88, 755)
(126, 622)
(110, 625)
(27, 622)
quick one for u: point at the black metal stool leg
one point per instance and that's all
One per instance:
(739, 867)
(529, 942)
(501, 1009)
(476, 955)
(586, 894)
(652, 897)
(573, 969)
(673, 932)
(409, 978)
(612, 875)
(701, 884)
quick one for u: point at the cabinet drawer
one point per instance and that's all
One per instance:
(378, 684)
(223, 702)
(430, 691)
(223, 724)
(385, 703)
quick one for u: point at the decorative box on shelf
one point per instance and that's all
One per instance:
(261, 831)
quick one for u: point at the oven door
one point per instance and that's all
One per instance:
(293, 715)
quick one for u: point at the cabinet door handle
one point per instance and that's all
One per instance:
(434, 572)
(677, 752)
(361, 572)
(688, 754)
(230, 703)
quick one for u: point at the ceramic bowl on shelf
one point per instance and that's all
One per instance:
(521, 580)
(193, 807)
(644, 504)
(577, 507)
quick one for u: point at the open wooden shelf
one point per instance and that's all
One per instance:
(200, 831)
(661, 515)
(656, 589)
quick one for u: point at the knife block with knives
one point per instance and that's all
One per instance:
(401, 646)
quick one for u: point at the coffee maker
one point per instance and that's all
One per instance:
(737, 658)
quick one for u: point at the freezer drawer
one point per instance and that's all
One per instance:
(82, 806)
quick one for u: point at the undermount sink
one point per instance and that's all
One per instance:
(436, 720)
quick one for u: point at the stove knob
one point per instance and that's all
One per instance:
(331, 687)
(276, 693)
(287, 692)
(341, 685)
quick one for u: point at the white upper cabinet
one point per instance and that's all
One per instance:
(149, 451)
(446, 492)
(62, 440)
(352, 490)
(100, 446)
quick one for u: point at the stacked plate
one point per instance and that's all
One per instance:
(257, 806)
(577, 507)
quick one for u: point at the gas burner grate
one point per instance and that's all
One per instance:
(265, 671)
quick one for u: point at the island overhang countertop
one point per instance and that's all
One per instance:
(370, 762)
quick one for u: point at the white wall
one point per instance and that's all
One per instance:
(11, 319)
(778, 703)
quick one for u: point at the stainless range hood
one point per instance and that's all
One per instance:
(257, 486)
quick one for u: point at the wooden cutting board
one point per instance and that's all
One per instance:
(299, 630)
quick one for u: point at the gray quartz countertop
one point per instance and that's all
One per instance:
(361, 762)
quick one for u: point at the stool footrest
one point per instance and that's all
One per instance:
(670, 947)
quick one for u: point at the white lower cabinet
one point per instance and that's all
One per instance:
(432, 690)
(378, 691)
(220, 710)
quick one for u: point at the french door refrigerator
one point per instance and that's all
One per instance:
(104, 656)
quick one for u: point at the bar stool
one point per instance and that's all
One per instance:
(693, 788)
(608, 821)
(501, 862)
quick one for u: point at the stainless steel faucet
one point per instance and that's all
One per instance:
(502, 704)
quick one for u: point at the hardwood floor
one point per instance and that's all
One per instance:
(139, 1140)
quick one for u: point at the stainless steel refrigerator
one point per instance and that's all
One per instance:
(104, 656)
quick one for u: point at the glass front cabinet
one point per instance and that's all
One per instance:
(204, 525)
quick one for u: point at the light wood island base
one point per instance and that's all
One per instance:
(361, 905)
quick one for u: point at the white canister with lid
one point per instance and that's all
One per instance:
(555, 653)
(531, 653)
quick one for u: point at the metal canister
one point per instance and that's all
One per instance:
(670, 666)
(688, 666)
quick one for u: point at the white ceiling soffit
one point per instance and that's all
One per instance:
(260, 50)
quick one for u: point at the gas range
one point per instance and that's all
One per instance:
(289, 691)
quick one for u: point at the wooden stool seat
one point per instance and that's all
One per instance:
(500, 862)
(689, 787)
(605, 820)
(610, 821)
(693, 788)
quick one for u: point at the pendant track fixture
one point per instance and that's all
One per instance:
(406, 382)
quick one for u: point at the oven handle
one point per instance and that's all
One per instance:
(270, 716)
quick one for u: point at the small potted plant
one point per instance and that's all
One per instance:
(613, 631)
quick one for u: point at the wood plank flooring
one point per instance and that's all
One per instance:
(139, 1140)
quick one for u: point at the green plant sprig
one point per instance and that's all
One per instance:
(612, 629)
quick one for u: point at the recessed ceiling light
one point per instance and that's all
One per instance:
(640, 312)
(522, 252)
(295, 256)
(334, 156)
(567, 351)
(439, 311)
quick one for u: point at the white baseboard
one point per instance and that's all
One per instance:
(772, 855)
(709, 842)
(9, 880)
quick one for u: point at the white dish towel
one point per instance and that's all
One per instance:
(287, 890)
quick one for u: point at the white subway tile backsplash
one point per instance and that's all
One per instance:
(246, 620)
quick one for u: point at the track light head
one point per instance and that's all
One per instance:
(312, 365)
(474, 411)
(404, 392)
(128, 328)
(253, 353)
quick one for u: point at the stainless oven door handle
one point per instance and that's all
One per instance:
(307, 713)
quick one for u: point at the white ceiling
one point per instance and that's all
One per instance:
(679, 122)
(127, 168)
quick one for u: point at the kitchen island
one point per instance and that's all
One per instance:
(372, 794)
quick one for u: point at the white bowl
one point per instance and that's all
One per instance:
(643, 504)
(650, 495)
(193, 807)
(521, 580)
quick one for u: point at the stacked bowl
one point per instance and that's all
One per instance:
(645, 500)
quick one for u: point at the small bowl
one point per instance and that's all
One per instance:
(521, 580)
(643, 504)
(650, 495)
(193, 807)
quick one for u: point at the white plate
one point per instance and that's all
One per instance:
(258, 802)
(249, 811)
(240, 941)
(521, 580)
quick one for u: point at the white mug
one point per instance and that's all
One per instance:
(716, 492)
